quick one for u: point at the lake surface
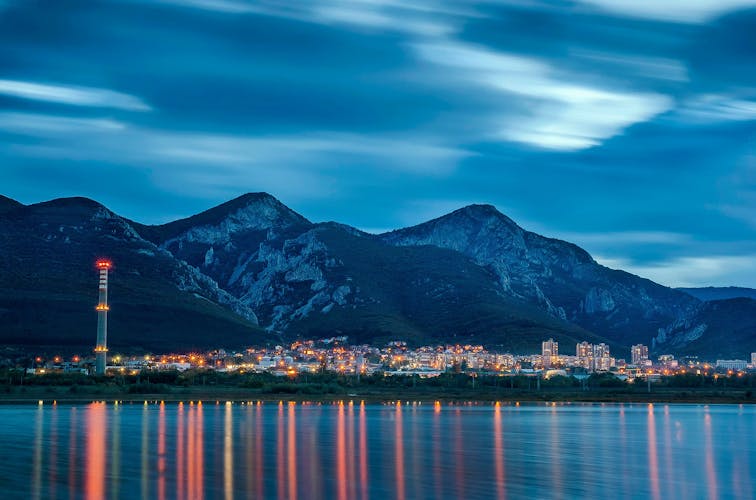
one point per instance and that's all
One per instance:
(357, 451)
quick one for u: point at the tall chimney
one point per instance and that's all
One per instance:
(101, 349)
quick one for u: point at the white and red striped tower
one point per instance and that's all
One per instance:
(101, 349)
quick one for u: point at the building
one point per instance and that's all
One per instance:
(753, 359)
(639, 354)
(602, 358)
(668, 361)
(550, 353)
(584, 354)
(732, 364)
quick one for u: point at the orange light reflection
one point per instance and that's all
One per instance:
(161, 453)
(653, 460)
(711, 473)
(280, 456)
(363, 454)
(399, 438)
(292, 448)
(228, 454)
(499, 455)
(180, 451)
(341, 486)
(95, 461)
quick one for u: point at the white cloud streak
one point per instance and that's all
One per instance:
(681, 11)
(290, 165)
(46, 125)
(626, 238)
(719, 108)
(338, 149)
(652, 68)
(71, 95)
(715, 270)
(564, 114)
(421, 17)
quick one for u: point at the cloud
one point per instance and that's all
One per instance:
(714, 270)
(625, 238)
(718, 108)
(740, 203)
(338, 149)
(71, 95)
(291, 165)
(45, 125)
(652, 68)
(563, 113)
(227, 6)
(682, 11)
(421, 17)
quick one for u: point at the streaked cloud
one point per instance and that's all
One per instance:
(421, 17)
(624, 238)
(563, 113)
(716, 108)
(683, 11)
(654, 68)
(180, 160)
(714, 270)
(341, 150)
(71, 95)
(44, 125)
(228, 6)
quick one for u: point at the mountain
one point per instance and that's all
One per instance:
(559, 277)
(721, 329)
(310, 280)
(710, 293)
(48, 285)
(472, 276)
(7, 204)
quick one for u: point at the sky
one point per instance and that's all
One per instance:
(625, 126)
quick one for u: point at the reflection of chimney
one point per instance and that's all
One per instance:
(101, 349)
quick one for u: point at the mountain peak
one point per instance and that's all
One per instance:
(250, 211)
(8, 204)
(249, 198)
(255, 208)
(475, 215)
(75, 205)
(482, 211)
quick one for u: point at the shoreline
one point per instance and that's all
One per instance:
(236, 397)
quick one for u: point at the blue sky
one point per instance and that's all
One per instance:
(625, 126)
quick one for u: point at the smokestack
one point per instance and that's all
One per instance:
(101, 349)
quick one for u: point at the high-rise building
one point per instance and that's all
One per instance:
(753, 358)
(550, 353)
(584, 353)
(639, 354)
(584, 350)
(602, 358)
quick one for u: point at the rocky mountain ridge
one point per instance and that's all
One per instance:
(472, 275)
(560, 277)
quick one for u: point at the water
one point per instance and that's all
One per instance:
(346, 451)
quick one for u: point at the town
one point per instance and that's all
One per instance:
(396, 358)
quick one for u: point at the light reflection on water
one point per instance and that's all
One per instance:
(356, 451)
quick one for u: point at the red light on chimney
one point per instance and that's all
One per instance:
(104, 264)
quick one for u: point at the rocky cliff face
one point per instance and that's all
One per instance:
(559, 277)
(262, 252)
